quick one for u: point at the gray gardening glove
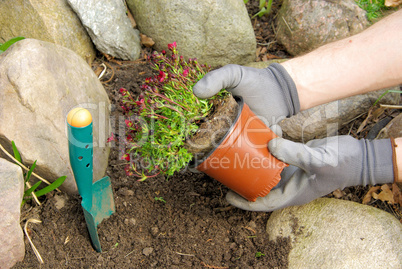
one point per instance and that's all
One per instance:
(270, 93)
(320, 167)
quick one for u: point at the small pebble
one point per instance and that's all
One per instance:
(109, 238)
(147, 251)
(252, 224)
(60, 201)
(154, 231)
(125, 192)
(227, 256)
(129, 192)
(131, 221)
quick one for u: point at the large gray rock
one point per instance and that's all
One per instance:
(217, 32)
(12, 248)
(109, 27)
(52, 21)
(304, 25)
(325, 120)
(39, 84)
(331, 233)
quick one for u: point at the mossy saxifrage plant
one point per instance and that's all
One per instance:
(165, 113)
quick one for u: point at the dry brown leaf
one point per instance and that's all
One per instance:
(396, 191)
(258, 52)
(363, 124)
(368, 196)
(130, 16)
(378, 112)
(392, 3)
(146, 41)
(385, 195)
(337, 193)
(271, 56)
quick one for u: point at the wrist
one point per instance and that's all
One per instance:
(307, 97)
(285, 81)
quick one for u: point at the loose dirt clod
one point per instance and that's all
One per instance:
(213, 128)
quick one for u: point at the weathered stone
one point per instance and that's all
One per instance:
(304, 25)
(217, 32)
(109, 27)
(52, 21)
(325, 120)
(12, 248)
(393, 128)
(332, 233)
(40, 83)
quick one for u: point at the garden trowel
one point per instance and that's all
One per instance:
(97, 197)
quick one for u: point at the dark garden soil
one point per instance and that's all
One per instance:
(180, 222)
(189, 226)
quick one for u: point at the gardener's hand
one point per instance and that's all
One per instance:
(270, 93)
(320, 167)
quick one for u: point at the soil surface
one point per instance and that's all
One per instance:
(180, 222)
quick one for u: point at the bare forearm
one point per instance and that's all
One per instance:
(365, 62)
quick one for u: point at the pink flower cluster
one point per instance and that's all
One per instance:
(173, 72)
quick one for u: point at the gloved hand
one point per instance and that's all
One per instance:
(320, 167)
(270, 93)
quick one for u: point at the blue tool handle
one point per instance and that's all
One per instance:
(80, 145)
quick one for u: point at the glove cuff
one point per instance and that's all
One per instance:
(286, 82)
(397, 180)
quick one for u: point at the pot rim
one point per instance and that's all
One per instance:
(194, 163)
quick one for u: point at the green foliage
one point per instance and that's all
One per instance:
(259, 254)
(374, 8)
(264, 6)
(164, 114)
(8, 43)
(382, 95)
(160, 199)
(27, 176)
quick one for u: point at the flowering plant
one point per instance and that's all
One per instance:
(163, 115)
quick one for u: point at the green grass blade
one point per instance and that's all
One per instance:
(31, 189)
(51, 187)
(382, 95)
(28, 176)
(16, 152)
(6, 45)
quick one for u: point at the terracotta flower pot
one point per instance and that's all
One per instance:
(241, 161)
